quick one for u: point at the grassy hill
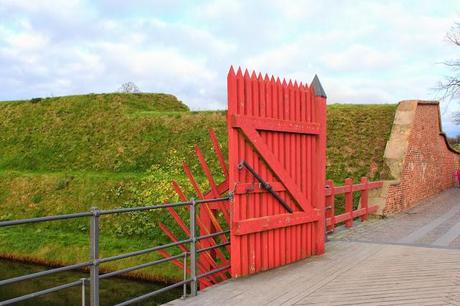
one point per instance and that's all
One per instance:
(67, 154)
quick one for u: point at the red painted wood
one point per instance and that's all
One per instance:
(349, 202)
(320, 106)
(364, 198)
(270, 142)
(212, 183)
(309, 168)
(355, 214)
(356, 187)
(269, 127)
(202, 218)
(278, 151)
(267, 223)
(183, 248)
(330, 205)
(286, 126)
(245, 188)
(192, 180)
(207, 222)
(350, 214)
(178, 263)
(277, 168)
(233, 153)
(218, 151)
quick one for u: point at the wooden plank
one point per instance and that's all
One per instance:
(245, 188)
(356, 213)
(393, 278)
(183, 248)
(206, 281)
(271, 145)
(233, 172)
(263, 199)
(218, 151)
(364, 198)
(276, 125)
(285, 158)
(255, 225)
(212, 182)
(356, 187)
(330, 206)
(349, 202)
(192, 180)
(276, 167)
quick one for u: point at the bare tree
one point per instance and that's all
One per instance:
(451, 85)
(129, 87)
(455, 117)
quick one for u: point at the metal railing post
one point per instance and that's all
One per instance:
(83, 294)
(94, 255)
(184, 293)
(193, 283)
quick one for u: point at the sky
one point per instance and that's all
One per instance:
(362, 51)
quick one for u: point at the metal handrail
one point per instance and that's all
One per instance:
(95, 261)
(212, 247)
(43, 273)
(142, 266)
(212, 235)
(44, 219)
(156, 292)
(40, 293)
(141, 252)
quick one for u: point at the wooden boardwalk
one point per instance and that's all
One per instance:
(410, 259)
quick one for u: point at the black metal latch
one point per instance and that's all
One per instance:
(265, 185)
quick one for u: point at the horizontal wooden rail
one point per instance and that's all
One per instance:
(347, 189)
(267, 223)
(355, 187)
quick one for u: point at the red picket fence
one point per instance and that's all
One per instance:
(277, 141)
(347, 189)
(275, 175)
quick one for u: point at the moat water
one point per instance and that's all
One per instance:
(112, 290)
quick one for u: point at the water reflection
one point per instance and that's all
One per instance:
(112, 291)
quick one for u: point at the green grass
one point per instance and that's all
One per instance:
(109, 132)
(356, 140)
(67, 154)
(35, 244)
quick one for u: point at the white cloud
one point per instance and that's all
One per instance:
(363, 51)
(364, 57)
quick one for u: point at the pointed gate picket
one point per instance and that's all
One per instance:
(207, 219)
(276, 174)
(277, 149)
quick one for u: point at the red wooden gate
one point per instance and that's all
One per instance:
(277, 153)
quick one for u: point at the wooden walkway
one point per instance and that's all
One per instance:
(410, 259)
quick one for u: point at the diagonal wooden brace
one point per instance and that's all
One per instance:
(277, 168)
(265, 185)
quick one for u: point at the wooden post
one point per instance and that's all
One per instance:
(320, 105)
(330, 207)
(349, 202)
(365, 198)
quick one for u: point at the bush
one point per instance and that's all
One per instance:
(35, 100)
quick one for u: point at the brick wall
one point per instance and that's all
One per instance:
(427, 164)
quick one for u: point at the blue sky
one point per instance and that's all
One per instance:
(363, 51)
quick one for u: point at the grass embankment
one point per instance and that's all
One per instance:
(356, 140)
(67, 154)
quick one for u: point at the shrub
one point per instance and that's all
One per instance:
(35, 100)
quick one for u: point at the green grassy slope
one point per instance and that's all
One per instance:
(356, 140)
(67, 154)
